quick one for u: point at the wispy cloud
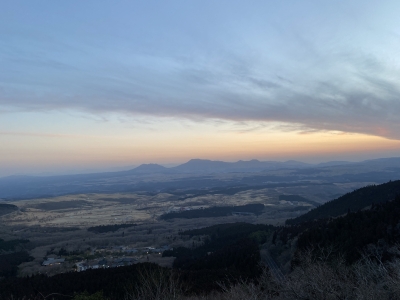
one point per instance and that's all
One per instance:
(51, 135)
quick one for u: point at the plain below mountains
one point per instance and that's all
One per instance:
(200, 174)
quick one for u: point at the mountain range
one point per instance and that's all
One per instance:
(204, 166)
(254, 165)
(202, 174)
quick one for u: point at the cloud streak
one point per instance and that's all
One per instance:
(47, 135)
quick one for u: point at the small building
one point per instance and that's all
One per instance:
(81, 266)
(53, 261)
(102, 263)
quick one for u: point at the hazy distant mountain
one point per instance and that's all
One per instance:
(391, 162)
(294, 164)
(202, 165)
(149, 168)
(214, 166)
(334, 163)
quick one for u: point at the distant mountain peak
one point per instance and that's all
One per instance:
(198, 160)
(150, 168)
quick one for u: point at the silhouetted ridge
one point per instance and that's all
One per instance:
(353, 201)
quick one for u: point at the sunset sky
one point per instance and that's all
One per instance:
(101, 85)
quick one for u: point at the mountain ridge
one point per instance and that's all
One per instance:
(354, 201)
(206, 165)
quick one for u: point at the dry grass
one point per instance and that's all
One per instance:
(312, 279)
(318, 279)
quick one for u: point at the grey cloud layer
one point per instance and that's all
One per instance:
(364, 99)
(316, 80)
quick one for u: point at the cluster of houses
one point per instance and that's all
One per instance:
(156, 250)
(128, 250)
(103, 264)
(179, 209)
(113, 262)
(53, 261)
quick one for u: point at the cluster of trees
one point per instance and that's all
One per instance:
(242, 256)
(64, 252)
(9, 263)
(213, 212)
(7, 208)
(113, 282)
(14, 254)
(297, 198)
(11, 245)
(109, 228)
(223, 234)
(230, 251)
(58, 229)
(203, 274)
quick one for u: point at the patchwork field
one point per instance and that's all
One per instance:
(85, 210)
(56, 223)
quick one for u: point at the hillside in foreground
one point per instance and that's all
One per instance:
(354, 201)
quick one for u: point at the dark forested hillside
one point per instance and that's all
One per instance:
(353, 201)
(350, 234)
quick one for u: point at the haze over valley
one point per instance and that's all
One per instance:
(163, 200)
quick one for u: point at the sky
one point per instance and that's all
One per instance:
(102, 85)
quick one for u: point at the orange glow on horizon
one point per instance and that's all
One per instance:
(153, 147)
